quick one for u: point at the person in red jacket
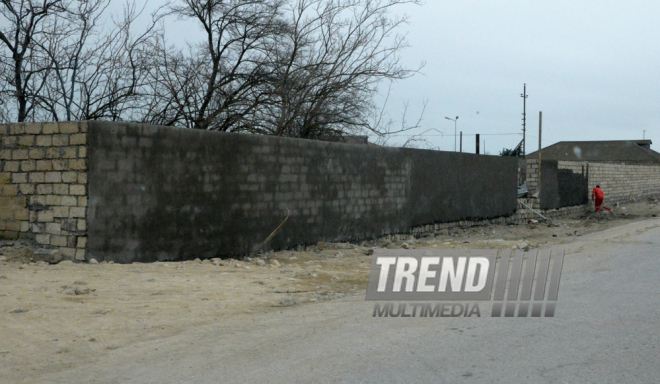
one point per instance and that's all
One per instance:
(598, 196)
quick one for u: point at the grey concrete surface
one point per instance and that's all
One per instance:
(605, 331)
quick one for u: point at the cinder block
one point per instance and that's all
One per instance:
(69, 201)
(69, 153)
(53, 200)
(27, 189)
(60, 140)
(37, 177)
(21, 214)
(44, 189)
(78, 165)
(77, 189)
(26, 141)
(50, 128)
(14, 226)
(69, 177)
(44, 165)
(45, 216)
(61, 189)
(53, 153)
(53, 177)
(69, 127)
(19, 154)
(78, 139)
(33, 128)
(9, 190)
(53, 229)
(61, 165)
(43, 238)
(68, 253)
(77, 212)
(16, 129)
(18, 178)
(9, 141)
(44, 140)
(28, 165)
(59, 241)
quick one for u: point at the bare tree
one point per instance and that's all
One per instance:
(98, 73)
(326, 67)
(299, 68)
(62, 62)
(24, 66)
(215, 84)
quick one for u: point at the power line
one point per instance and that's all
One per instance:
(464, 134)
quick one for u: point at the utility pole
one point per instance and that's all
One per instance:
(454, 120)
(524, 119)
(477, 151)
(540, 125)
(461, 141)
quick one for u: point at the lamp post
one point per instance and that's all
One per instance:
(454, 120)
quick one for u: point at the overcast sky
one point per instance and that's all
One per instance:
(590, 66)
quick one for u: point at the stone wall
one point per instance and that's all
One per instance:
(159, 193)
(621, 182)
(130, 192)
(43, 181)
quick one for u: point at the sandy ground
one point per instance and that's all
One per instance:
(56, 317)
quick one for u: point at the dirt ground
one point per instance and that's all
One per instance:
(57, 316)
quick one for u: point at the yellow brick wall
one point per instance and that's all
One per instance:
(43, 185)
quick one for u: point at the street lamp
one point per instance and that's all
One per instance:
(454, 120)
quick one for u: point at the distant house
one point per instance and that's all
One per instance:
(627, 151)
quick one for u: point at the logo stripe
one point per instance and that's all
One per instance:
(522, 309)
(543, 263)
(514, 282)
(502, 275)
(558, 261)
(510, 310)
(528, 278)
(550, 309)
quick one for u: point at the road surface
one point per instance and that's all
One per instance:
(606, 330)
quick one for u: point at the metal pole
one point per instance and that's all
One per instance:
(524, 96)
(461, 141)
(477, 144)
(455, 121)
(540, 125)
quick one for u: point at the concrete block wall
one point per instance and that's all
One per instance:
(161, 193)
(619, 181)
(532, 175)
(131, 192)
(43, 185)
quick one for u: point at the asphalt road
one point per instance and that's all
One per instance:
(606, 330)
